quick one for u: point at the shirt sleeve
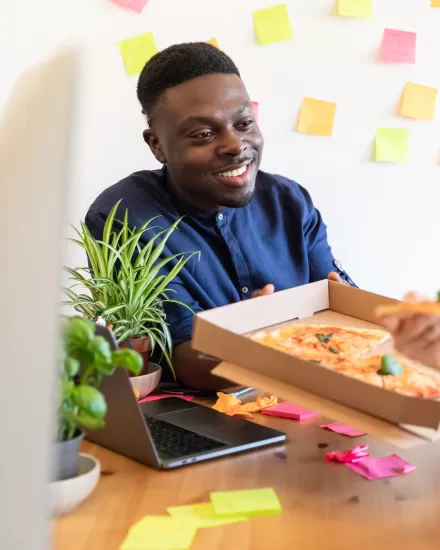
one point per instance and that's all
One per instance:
(179, 318)
(320, 256)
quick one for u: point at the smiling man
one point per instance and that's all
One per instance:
(256, 232)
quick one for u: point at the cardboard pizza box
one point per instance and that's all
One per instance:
(223, 333)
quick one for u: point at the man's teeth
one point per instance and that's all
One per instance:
(234, 173)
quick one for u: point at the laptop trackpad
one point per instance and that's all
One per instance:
(210, 423)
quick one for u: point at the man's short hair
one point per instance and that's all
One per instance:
(176, 65)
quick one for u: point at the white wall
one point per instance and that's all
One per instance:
(383, 220)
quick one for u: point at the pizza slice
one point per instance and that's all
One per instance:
(426, 307)
(407, 379)
(322, 342)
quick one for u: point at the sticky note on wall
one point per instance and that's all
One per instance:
(213, 42)
(418, 102)
(358, 9)
(391, 145)
(137, 51)
(272, 24)
(435, 3)
(135, 5)
(316, 117)
(399, 46)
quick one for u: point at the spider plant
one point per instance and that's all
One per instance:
(128, 281)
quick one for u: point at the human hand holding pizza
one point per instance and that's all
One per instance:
(415, 326)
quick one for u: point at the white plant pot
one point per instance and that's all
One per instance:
(147, 383)
(67, 494)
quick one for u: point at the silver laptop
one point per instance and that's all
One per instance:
(171, 432)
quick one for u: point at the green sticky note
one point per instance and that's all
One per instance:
(137, 51)
(161, 533)
(391, 145)
(272, 24)
(359, 9)
(203, 514)
(253, 502)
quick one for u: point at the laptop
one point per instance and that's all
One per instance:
(168, 433)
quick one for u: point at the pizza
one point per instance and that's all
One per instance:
(322, 342)
(410, 308)
(407, 379)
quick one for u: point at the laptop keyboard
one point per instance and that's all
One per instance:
(175, 442)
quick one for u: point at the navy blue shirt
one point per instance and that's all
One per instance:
(278, 238)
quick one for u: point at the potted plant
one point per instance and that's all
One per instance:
(85, 359)
(125, 283)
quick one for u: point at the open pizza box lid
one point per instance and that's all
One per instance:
(403, 420)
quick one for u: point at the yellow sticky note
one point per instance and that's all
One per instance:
(137, 51)
(213, 42)
(391, 145)
(251, 502)
(435, 3)
(359, 9)
(272, 24)
(316, 117)
(161, 533)
(418, 102)
(203, 514)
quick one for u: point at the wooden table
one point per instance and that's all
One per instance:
(326, 506)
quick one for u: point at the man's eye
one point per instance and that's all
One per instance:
(245, 123)
(202, 135)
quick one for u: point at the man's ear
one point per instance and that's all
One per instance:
(153, 143)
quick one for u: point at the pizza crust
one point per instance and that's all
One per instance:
(410, 308)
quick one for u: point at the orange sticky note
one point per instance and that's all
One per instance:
(316, 117)
(213, 42)
(435, 3)
(418, 102)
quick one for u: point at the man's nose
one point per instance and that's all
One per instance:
(231, 144)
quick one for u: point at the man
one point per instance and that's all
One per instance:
(256, 232)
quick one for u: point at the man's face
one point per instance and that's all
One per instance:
(206, 133)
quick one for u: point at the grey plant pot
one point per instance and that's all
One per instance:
(66, 457)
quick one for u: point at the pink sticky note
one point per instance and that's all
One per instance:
(287, 410)
(343, 429)
(164, 396)
(398, 46)
(135, 5)
(379, 468)
(350, 455)
(255, 107)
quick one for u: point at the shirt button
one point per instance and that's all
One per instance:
(220, 217)
(338, 264)
(245, 290)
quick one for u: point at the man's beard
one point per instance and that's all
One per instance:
(241, 201)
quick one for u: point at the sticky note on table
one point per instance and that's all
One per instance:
(380, 468)
(288, 410)
(391, 145)
(161, 533)
(418, 102)
(272, 24)
(316, 117)
(137, 51)
(135, 5)
(399, 46)
(358, 9)
(251, 502)
(213, 42)
(341, 428)
(203, 515)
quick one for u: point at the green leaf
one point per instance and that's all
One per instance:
(389, 365)
(71, 367)
(90, 400)
(333, 350)
(85, 420)
(80, 332)
(128, 359)
(100, 349)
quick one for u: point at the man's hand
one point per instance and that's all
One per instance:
(265, 291)
(416, 336)
(336, 278)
